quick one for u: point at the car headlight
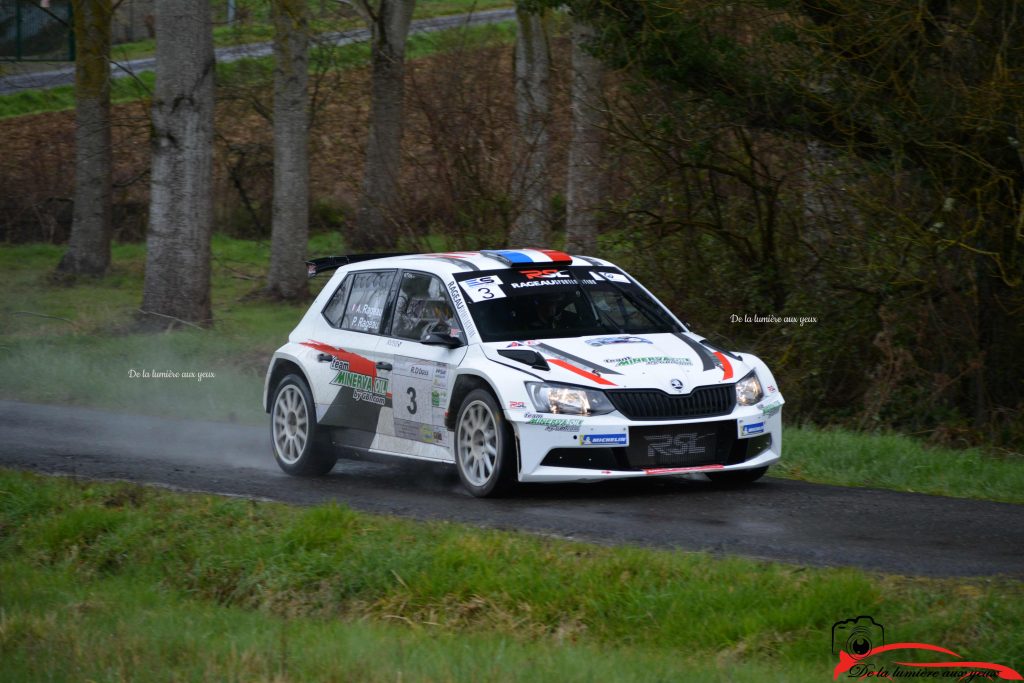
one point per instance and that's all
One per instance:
(567, 400)
(748, 390)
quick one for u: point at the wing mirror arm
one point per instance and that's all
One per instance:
(437, 339)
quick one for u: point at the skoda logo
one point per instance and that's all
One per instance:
(677, 384)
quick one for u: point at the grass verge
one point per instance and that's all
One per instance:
(103, 581)
(75, 345)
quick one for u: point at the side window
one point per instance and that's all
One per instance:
(335, 308)
(423, 309)
(369, 296)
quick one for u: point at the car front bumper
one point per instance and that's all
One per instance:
(554, 448)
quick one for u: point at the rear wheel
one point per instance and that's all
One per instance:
(737, 477)
(484, 446)
(300, 446)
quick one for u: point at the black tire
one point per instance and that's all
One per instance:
(485, 449)
(300, 447)
(737, 477)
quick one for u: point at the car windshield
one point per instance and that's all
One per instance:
(543, 303)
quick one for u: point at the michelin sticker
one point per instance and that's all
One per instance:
(751, 426)
(604, 436)
(619, 439)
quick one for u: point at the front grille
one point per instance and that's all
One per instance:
(647, 404)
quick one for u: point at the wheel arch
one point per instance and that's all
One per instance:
(464, 383)
(281, 366)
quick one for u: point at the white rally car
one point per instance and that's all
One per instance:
(515, 365)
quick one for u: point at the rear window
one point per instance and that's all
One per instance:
(367, 300)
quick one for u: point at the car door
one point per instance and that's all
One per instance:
(351, 388)
(421, 374)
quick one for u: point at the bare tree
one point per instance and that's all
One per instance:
(177, 281)
(290, 231)
(585, 186)
(533, 113)
(89, 245)
(389, 24)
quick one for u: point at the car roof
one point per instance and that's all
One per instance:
(486, 259)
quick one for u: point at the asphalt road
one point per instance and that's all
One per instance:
(25, 78)
(774, 519)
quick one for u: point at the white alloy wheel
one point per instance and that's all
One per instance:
(484, 445)
(291, 424)
(478, 443)
(300, 445)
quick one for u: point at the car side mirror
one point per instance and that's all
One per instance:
(438, 339)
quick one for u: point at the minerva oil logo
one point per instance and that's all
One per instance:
(863, 654)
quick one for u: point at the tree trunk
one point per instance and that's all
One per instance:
(375, 219)
(89, 245)
(177, 281)
(585, 186)
(290, 232)
(533, 110)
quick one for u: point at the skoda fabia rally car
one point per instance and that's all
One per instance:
(516, 366)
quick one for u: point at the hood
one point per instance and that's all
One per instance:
(674, 363)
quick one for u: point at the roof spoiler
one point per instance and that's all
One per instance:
(519, 258)
(321, 265)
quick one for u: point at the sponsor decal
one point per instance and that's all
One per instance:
(516, 405)
(860, 644)
(755, 428)
(611, 277)
(555, 424)
(483, 288)
(627, 361)
(604, 341)
(771, 388)
(364, 387)
(460, 308)
(558, 281)
(675, 445)
(437, 397)
(417, 431)
(770, 409)
(546, 273)
(619, 439)
(420, 371)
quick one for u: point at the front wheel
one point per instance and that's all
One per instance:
(737, 477)
(300, 445)
(484, 446)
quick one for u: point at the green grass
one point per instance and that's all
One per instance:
(895, 461)
(104, 581)
(81, 354)
(249, 71)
